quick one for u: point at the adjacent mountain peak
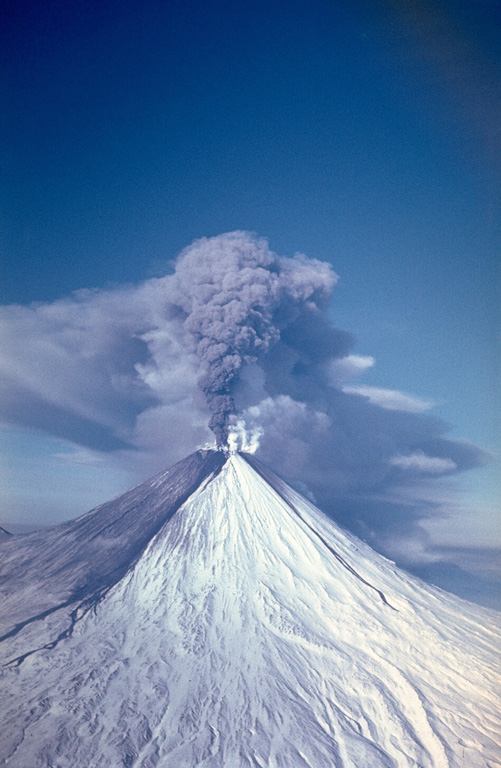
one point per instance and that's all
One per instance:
(83, 558)
(246, 629)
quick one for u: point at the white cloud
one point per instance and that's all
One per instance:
(420, 462)
(349, 367)
(391, 399)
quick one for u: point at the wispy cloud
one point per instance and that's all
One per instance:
(421, 463)
(391, 399)
(349, 367)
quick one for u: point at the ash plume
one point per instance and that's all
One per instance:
(237, 297)
(129, 378)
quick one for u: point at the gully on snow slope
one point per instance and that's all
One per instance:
(214, 617)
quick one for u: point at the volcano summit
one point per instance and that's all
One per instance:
(214, 617)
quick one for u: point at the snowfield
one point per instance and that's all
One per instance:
(214, 617)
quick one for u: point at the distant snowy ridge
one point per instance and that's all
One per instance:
(247, 629)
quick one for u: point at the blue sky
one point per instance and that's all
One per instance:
(359, 133)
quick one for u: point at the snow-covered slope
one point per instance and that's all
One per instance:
(248, 631)
(80, 560)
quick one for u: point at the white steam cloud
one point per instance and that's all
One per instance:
(240, 438)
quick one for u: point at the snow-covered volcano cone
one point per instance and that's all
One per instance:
(248, 631)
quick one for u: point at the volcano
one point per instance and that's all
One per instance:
(214, 617)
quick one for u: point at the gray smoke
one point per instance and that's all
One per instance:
(237, 298)
(129, 377)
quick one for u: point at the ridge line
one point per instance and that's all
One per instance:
(263, 472)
